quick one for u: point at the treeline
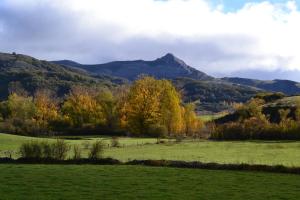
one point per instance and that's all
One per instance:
(148, 107)
(254, 124)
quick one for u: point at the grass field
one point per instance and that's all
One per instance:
(251, 152)
(207, 118)
(138, 182)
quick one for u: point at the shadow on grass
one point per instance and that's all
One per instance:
(159, 163)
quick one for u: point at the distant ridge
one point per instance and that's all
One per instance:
(287, 87)
(171, 67)
(168, 66)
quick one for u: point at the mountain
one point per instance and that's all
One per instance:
(210, 94)
(168, 67)
(171, 67)
(213, 95)
(33, 74)
(285, 86)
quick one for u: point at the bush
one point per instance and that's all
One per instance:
(77, 152)
(115, 142)
(31, 150)
(158, 131)
(60, 149)
(255, 128)
(96, 150)
(179, 138)
(44, 150)
(47, 150)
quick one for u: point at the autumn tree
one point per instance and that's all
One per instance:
(153, 105)
(191, 122)
(46, 108)
(170, 108)
(143, 105)
(81, 108)
(108, 104)
(253, 108)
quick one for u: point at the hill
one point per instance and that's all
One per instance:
(213, 95)
(32, 74)
(285, 86)
(168, 67)
(270, 108)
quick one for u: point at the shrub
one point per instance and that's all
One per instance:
(255, 128)
(38, 150)
(77, 152)
(60, 149)
(158, 131)
(47, 150)
(96, 150)
(115, 142)
(31, 150)
(179, 138)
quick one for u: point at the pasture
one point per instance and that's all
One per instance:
(251, 152)
(139, 182)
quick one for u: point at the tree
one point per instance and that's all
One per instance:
(21, 107)
(46, 108)
(191, 123)
(152, 105)
(108, 105)
(143, 106)
(170, 108)
(253, 108)
(81, 108)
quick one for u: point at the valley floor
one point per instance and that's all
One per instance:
(252, 152)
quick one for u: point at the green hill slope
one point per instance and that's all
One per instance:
(33, 74)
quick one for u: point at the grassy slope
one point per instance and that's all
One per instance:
(137, 182)
(207, 118)
(271, 153)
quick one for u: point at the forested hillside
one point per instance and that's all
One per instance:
(21, 71)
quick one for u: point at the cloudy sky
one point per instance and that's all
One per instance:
(257, 39)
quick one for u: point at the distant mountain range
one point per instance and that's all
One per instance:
(212, 94)
(171, 67)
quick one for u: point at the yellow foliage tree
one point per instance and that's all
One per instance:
(170, 108)
(192, 123)
(143, 105)
(108, 104)
(46, 108)
(152, 104)
(81, 107)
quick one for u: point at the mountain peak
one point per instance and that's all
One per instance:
(170, 59)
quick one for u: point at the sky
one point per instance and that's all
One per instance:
(255, 39)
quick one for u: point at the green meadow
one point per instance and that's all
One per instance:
(139, 182)
(252, 152)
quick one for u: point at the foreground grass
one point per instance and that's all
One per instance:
(138, 182)
(251, 152)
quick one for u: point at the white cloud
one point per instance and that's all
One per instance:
(258, 36)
